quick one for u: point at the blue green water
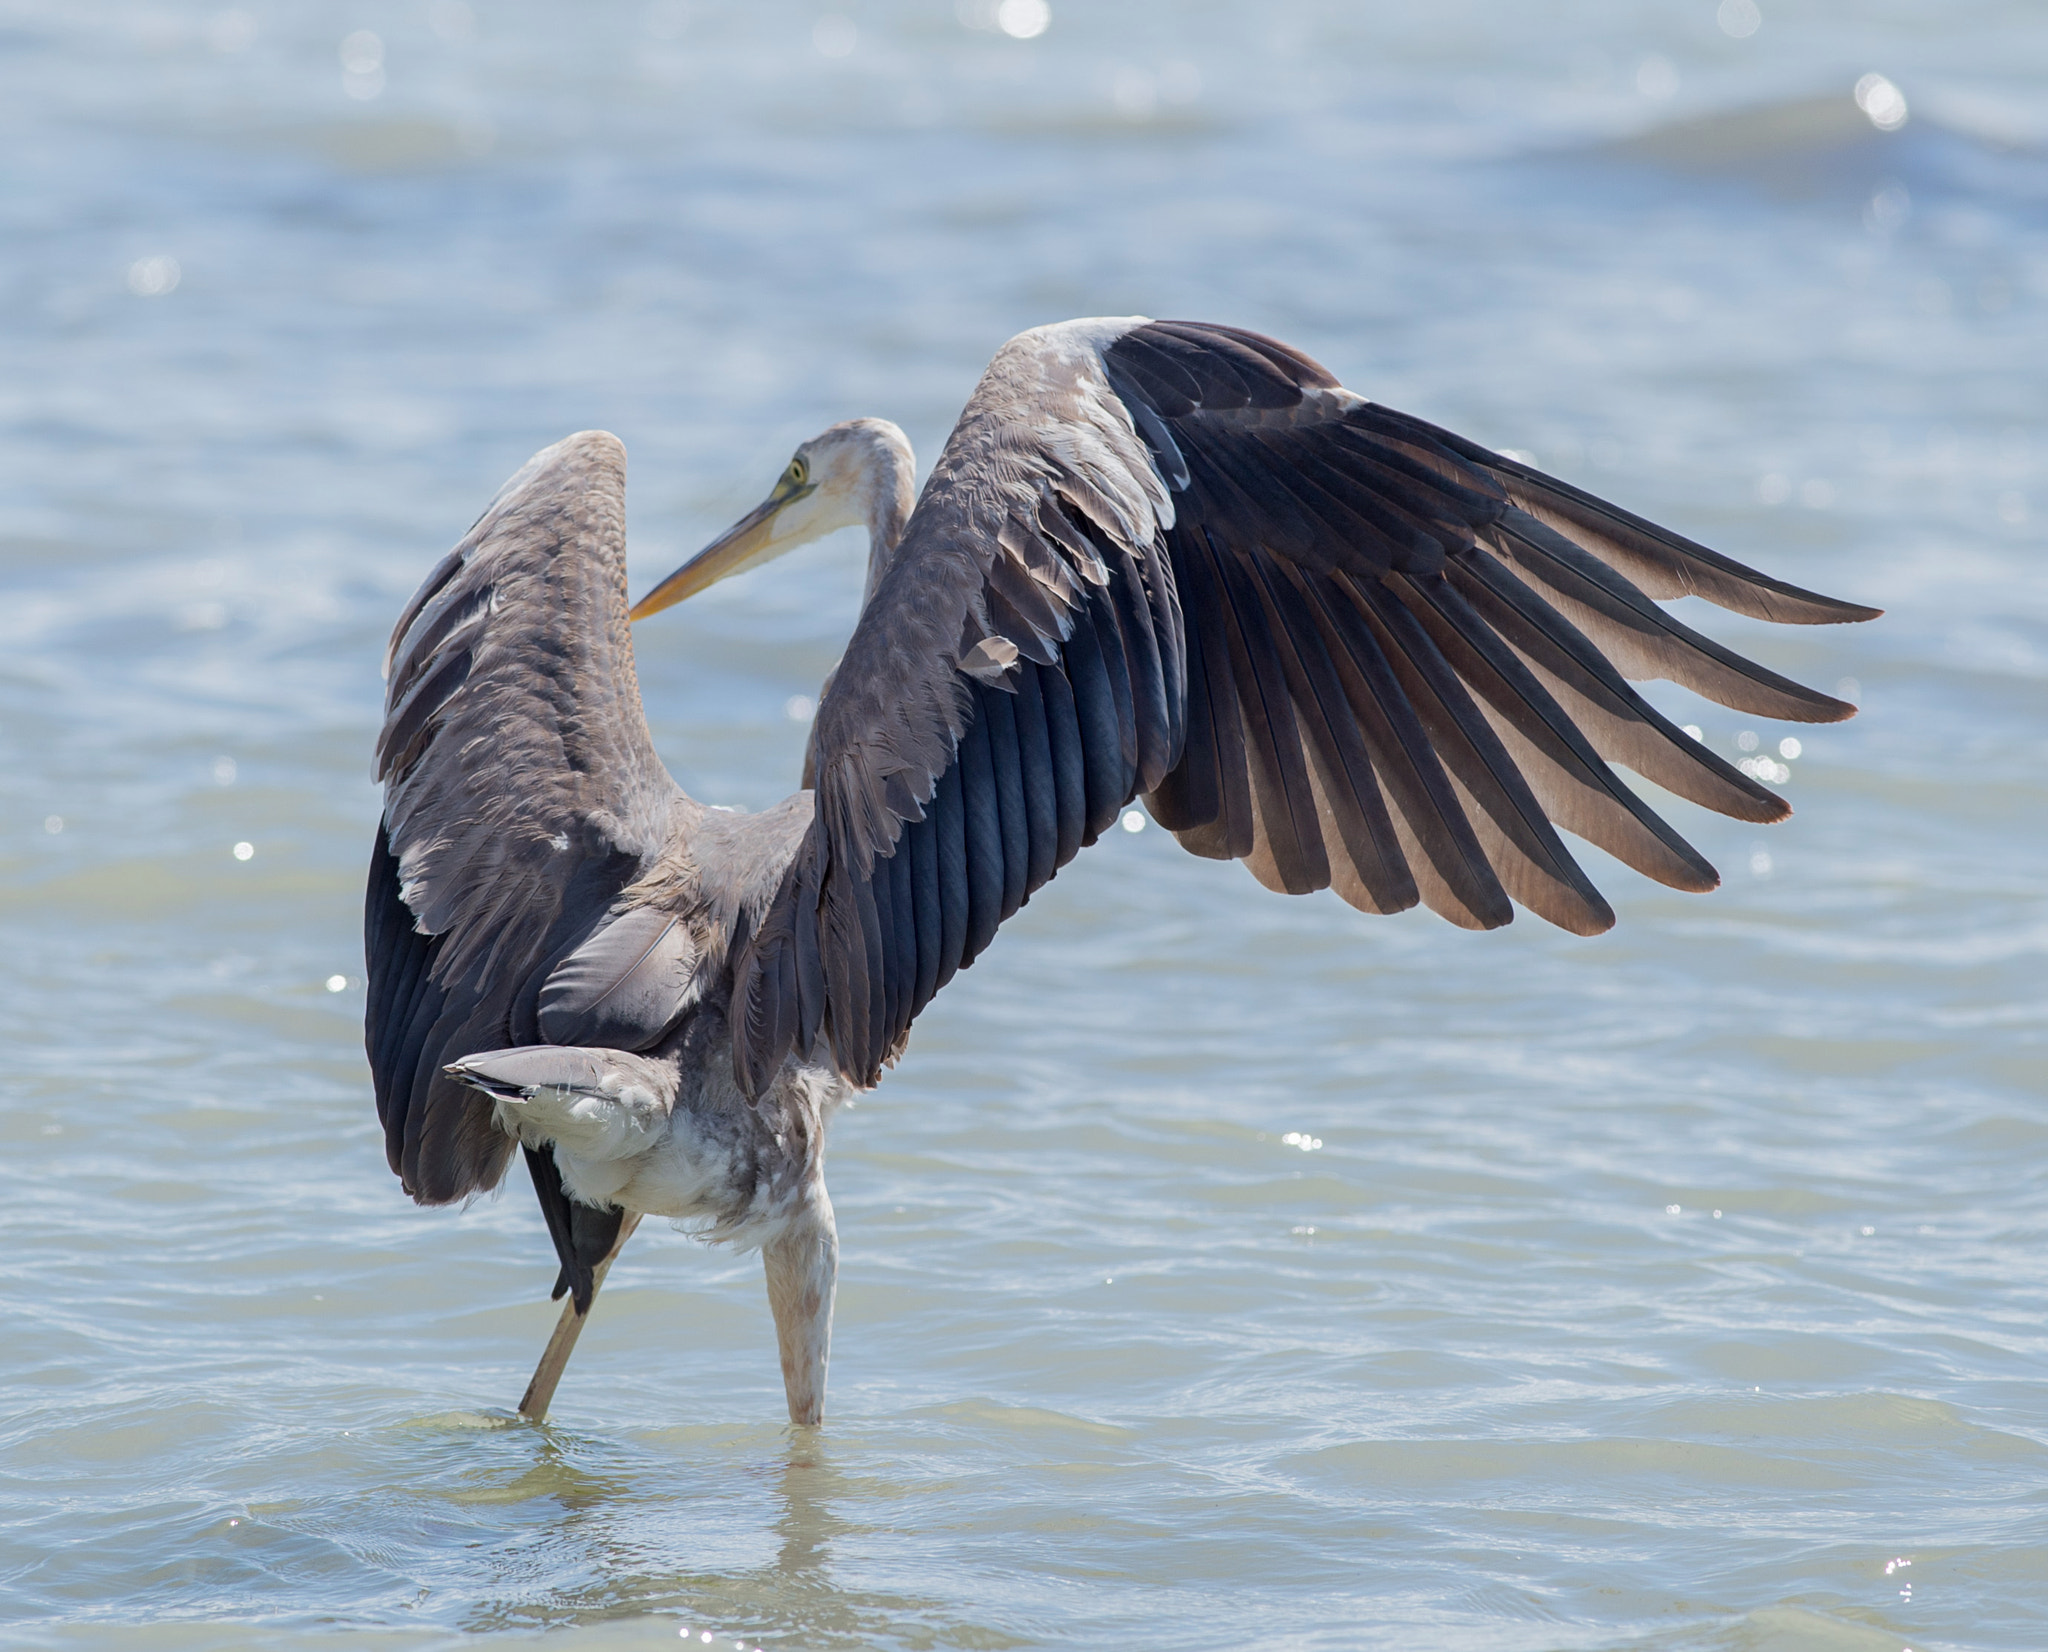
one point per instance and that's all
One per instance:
(1680, 1289)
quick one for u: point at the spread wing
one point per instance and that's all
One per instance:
(1353, 650)
(522, 794)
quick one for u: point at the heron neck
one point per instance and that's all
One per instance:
(891, 496)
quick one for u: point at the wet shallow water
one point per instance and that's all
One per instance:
(1678, 1289)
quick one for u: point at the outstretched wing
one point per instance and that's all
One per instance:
(522, 793)
(1319, 636)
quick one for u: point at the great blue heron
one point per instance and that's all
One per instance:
(1156, 560)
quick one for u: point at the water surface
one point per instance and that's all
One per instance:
(1680, 1289)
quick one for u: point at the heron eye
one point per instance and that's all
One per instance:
(796, 471)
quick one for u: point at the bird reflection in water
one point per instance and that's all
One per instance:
(614, 1521)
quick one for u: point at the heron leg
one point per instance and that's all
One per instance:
(554, 1359)
(803, 1278)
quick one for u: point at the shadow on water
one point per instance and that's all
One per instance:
(747, 1547)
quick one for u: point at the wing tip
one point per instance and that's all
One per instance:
(1583, 916)
(1829, 710)
(596, 443)
(1802, 607)
(545, 473)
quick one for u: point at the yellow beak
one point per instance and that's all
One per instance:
(748, 541)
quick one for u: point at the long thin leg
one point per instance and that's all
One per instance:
(803, 1279)
(540, 1392)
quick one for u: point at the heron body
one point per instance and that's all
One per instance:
(1155, 560)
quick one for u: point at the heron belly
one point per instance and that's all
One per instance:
(745, 1169)
(689, 1173)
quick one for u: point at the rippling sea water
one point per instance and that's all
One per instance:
(1680, 1289)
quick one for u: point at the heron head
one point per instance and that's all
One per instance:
(855, 473)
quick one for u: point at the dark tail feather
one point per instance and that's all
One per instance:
(583, 1236)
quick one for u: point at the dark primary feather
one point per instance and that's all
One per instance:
(1353, 650)
(1658, 562)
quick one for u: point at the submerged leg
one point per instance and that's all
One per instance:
(540, 1392)
(803, 1278)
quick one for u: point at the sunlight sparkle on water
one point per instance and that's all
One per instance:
(1657, 78)
(1883, 102)
(362, 65)
(154, 276)
(1023, 19)
(1739, 19)
(1887, 209)
(362, 53)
